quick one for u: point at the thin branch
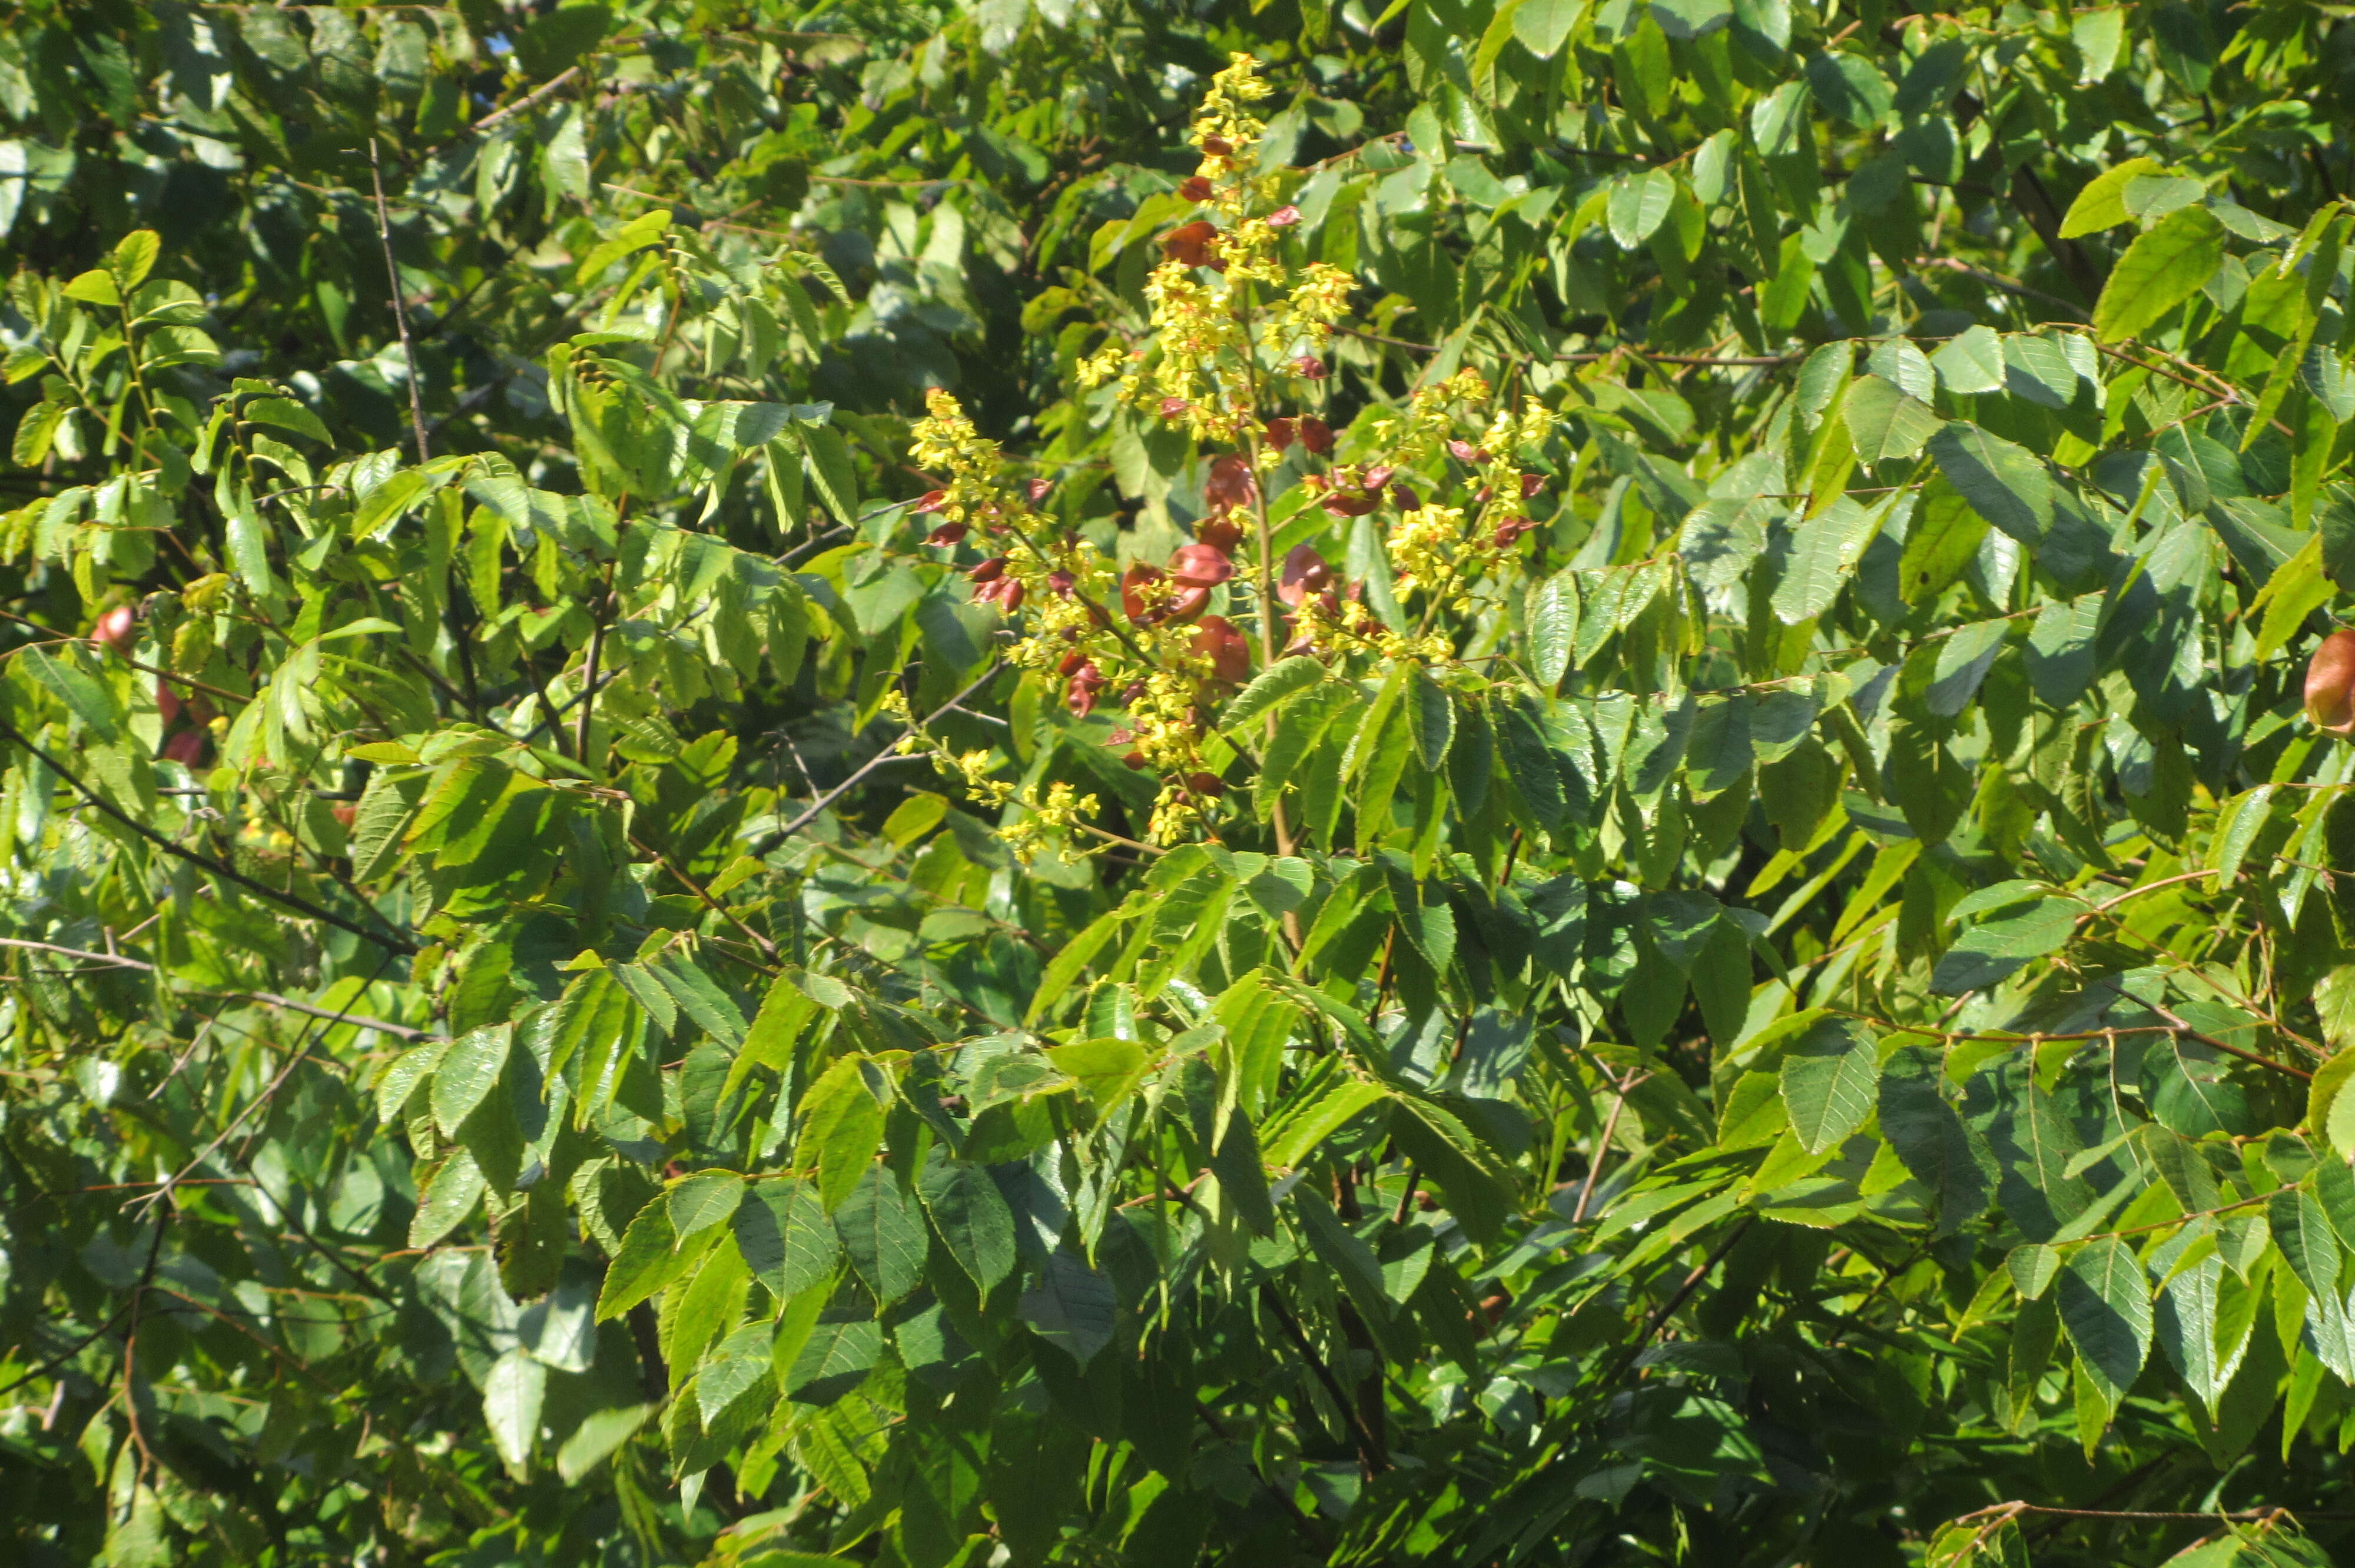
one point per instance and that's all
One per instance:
(390, 942)
(1666, 1309)
(267, 998)
(399, 305)
(769, 844)
(1602, 1144)
(1370, 1453)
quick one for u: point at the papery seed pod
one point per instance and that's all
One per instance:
(1191, 245)
(1200, 566)
(1037, 489)
(1309, 366)
(1532, 485)
(1119, 736)
(948, 534)
(1378, 476)
(1063, 582)
(1134, 600)
(1304, 573)
(1281, 434)
(1220, 532)
(2330, 683)
(988, 571)
(1316, 434)
(1173, 407)
(1350, 502)
(1230, 483)
(1208, 785)
(1080, 694)
(1136, 759)
(1228, 653)
(1195, 189)
(117, 629)
(931, 501)
(1284, 217)
(1405, 499)
(1218, 146)
(1463, 452)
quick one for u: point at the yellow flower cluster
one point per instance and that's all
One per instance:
(1223, 118)
(1195, 331)
(1199, 372)
(1050, 820)
(1319, 295)
(1354, 625)
(945, 441)
(1425, 547)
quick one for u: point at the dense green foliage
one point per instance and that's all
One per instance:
(1559, 816)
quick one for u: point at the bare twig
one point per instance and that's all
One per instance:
(389, 942)
(399, 304)
(870, 766)
(267, 998)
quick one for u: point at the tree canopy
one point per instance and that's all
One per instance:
(1069, 782)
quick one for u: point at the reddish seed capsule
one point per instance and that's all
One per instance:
(1281, 434)
(1378, 476)
(1229, 655)
(1310, 366)
(933, 500)
(1350, 502)
(1230, 483)
(1134, 598)
(1195, 189)
(2330, 683)
(1316, 435)
(117, 629)
(1063, 582)
(1038, 489)
(1173, 407)
(1464, 452)
(948, 534)
(1200, 566)
(988, 571)
(1304, 573)
(1208, 785)
(1195, 244)
(1531, 484)
(1284, 217)
(1221, 533)
(1405, 499)
(1080, 695)
(1218, 146)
